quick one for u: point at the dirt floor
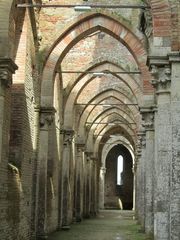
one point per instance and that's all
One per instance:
(108, 225)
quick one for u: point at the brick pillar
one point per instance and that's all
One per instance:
(66, 191)
(7, 68)
(148, 117)
(79, 182)
(163, 146)
(174, 59)
(101, 187)
(46, 119)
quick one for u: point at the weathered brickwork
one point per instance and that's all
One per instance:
(60, 133)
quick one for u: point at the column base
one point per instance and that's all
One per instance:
(65, 228)
(42, 236)
(78, 218)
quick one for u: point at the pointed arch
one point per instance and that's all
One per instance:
(75, 33)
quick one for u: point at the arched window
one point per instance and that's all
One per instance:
(119, 170)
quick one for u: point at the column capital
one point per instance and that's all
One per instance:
(46, 117)
(89, 155)
(141, 143)
(161, 71)
(103, 170)
(93, 159)
(81, 147)
(174, 57)
(68, 135)
(7, 68)
(148, 117)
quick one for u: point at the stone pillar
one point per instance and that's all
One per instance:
(88, 183)
(101, 187)
(148, 117)
(137, 172)
(141, 178)
(66, 191)
(137, 185)
(79, 181)
(163, 147)
(7, 68)
(93, 186)
(84, 184)
(174, 59)
(46, 119)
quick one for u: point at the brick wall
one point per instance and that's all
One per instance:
(18, 177)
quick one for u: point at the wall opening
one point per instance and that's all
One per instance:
(119, 170)
(118, 188)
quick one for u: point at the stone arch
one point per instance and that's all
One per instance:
(75, 33)
(112, 143)
(8, 16)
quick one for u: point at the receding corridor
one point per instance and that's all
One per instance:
(109, 225)
(90, 120)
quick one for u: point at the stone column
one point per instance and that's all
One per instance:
(84, 184)
(66, 191)
(148, 117)
(137, 172)
(7, 68)
(101, 187)
(163, 147)
(46, 119)
(79, 182)
(93, 186)
(88, 183)
(137, 184)
(174, 59)
(140, 187)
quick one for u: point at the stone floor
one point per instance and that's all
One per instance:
(109, 225)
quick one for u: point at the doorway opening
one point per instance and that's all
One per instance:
(119, 179)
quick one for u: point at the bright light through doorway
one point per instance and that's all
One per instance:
(119, 170)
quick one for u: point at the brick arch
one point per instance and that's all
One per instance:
(161, 14)
(109, 130)
(99, 128)
(69, 105)
(111, 115)
(106, 114)
(114, 108)
(115, 116)
(79, 30)
(110, 67)
(99, 99)
(68, 116)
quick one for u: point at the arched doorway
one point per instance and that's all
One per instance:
(119, 179)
